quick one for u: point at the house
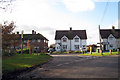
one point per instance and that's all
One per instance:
(110, 38)
(73, 40)
(35, 41)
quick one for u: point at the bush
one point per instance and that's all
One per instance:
(77, 51)
(57, 52)
(113, 50)
(9, 52)
(69, 51)
(25, 51)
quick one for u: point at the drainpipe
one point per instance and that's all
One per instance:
(70, 44)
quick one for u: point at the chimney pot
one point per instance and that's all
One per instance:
(17, 32)
(32, 31)
(70, 28)
(113, 27)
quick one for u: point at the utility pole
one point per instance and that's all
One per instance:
(22, 42)
(100, 42)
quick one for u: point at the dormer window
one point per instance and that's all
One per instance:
(76, 39)
(64, 39)
(111, 37)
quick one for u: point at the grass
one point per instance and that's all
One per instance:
(21, 61)
(98, 54)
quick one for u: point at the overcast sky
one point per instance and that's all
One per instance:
(47, 16)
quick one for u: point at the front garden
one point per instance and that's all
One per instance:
(21, 61)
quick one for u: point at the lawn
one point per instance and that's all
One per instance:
(21, 61)
(98, 54)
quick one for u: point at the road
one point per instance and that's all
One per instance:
(75, 66)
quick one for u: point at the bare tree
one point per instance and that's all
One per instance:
(5, 5)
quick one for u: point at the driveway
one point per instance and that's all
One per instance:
(75, 66)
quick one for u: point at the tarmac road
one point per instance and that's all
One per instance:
(75, 66)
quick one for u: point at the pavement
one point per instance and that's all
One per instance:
(76, 66)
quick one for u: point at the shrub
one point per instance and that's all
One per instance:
(54, 52)
(77, 51)
(9, 52)
(25, 51)
(69, 51)
(113, 50)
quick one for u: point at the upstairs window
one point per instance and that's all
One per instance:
(76, 39)
(111, 37)
(64, 39)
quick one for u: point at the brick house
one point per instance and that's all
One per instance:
(37, 42)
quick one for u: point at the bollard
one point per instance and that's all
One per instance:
(110, 51)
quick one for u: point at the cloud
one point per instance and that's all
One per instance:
(79, 5)
(107, 0)
(41, 16)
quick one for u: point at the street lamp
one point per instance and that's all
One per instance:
(22, 42)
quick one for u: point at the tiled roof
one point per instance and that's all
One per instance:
(106, 32)
(33, 36)
(70, 34)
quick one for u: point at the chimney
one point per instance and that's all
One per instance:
(35, 32)
(70, 28)
(17, 32)
(32, 31)
(113, 27)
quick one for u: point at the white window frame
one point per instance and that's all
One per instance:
(64, 39)
(64, 46)
(76, 39)
(76, 47)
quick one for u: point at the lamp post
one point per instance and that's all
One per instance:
(22, 42)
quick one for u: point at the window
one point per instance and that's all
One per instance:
(57, 47)
(12, 47)
(25, 41)
(33, 41)
(111, 45)
(76, 46)
(110, 37)
(64, 39)
(64, 46)
(76, 39)
(38, 40)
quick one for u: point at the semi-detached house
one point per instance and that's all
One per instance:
(73, 40)
(110, 39)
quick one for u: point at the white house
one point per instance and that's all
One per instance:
(70, 40)
(110, 38)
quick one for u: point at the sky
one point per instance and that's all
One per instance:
(47, 16)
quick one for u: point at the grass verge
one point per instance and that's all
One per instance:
(98, 54)
(21, 61)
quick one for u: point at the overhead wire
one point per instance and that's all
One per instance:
(105, 10)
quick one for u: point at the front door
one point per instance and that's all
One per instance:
(104, 47)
